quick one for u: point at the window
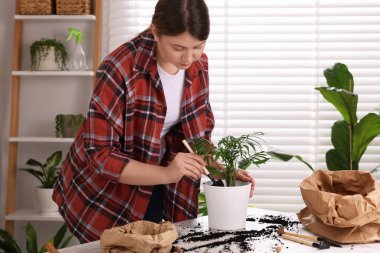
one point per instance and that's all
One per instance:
(265, 59)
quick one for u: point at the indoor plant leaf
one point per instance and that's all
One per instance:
(8, 247)
(334, 161)
(38, 174)
(33, 162)
(365, 131)
(58, 237)
(65, 242)
(345, 102)
(340, 140)
(286, 157)
(31, 239)
(7, 243)
(54, 159)
(202, 207)
(339, 77)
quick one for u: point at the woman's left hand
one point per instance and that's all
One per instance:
(245, 176)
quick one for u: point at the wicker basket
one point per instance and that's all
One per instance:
(36, 7)
(73, 7)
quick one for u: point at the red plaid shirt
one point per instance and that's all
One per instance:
(125, 119)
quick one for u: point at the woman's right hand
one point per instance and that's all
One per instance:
(185, 164)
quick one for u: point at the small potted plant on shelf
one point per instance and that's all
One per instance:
(48, 54)
(227, 206)
(9, 245)
(67, 125)
(47, 175)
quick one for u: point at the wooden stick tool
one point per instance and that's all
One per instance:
(282, 231)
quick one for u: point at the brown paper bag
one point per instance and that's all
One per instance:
(343, 206)
(139, 237)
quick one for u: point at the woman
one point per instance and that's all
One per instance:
(128, 162)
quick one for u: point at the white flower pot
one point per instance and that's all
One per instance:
(45, 202)
(48, 63)
(227, 206)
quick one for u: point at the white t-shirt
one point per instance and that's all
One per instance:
(173, 90)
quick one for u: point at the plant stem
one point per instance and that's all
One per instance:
(350, 143)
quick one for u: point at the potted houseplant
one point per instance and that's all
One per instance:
(47, 175)
(48, 54)
(350, 137)
(9, 245)
(67, 125)
(227, 206)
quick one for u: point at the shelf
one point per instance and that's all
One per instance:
(52, 73)
(32, 215)
(41, 139)
(56, 17)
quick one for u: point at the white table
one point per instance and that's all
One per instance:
(257, 219)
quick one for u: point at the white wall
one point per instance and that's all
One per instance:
(6, 35)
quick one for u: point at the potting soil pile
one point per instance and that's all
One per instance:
(343, 206)
(259, 236)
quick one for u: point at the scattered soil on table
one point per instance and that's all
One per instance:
(241, 239)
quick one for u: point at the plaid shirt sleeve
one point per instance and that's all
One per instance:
(103, 129)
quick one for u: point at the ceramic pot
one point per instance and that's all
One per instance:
(227, 206)
(48, 63)
(45, 202)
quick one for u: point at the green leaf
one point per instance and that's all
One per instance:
(31, 239)
(340, 138)
(58, 237)
(367, 129)
(33, 162)
(43, 249)
(286, 157)
(334, 161)
(345, 102)
(38, 174)
(8, 247)
(54, 159)
(339, 77)
(202, 207)
(7, 243)
(214, 171)
(65, 242)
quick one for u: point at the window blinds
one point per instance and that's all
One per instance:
(265, 58)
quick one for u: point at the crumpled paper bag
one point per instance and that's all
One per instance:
(139, 237)
(343, 206)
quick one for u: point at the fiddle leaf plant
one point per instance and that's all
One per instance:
(48, 172)
(9, 245)
(350, 137)
(232, 153)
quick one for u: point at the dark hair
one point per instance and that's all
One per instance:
(172, 17)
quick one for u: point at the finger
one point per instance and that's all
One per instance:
(197, 158)
(192, 172)
(196, 166)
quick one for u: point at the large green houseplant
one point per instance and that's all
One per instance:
(350, 137)
(9, 245)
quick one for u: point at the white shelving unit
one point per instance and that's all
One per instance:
(32, 215)
(52, 73)
(56, 17)
(41, 139)
(20, 75)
